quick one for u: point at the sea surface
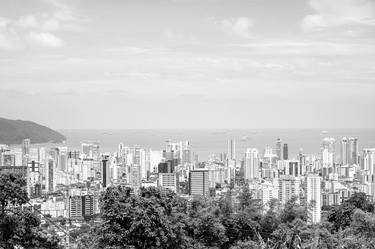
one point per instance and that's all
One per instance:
(208, 142)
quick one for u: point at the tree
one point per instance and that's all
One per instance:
(147, 220)
(20, 227)
(271, 219)
(341, 216)
(363, 225)
(210, 232)
(246, 245)
(361, 201)
(292, 210)
(245, 198)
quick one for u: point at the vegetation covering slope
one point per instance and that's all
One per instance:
(19, 226)
(155, 219)
(14, 131)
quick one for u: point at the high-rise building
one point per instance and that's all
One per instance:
(354, 151)
(278, 148)
(187, 157)
(88, 202)
(8, 159)
(120, 151)
(81, 206)
(285, 152)
(155, 158)
(349, 151)
(33, 177)
(139, 158)
(327, 150)
(51, 176)
(105, 172)
(302, 162)
(63, 161)
(25, 150)
(290, 167)
(166, 167)
(289, 186)
(135, 177)
(368, 158)
(75, 207)
(91, 150)
(168, 181)
(269, 191)
(251, 165)
(232, 149)
(199, 183)
(313, 196)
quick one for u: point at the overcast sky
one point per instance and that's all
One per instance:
(188, 63)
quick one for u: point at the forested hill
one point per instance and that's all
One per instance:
(14, 131)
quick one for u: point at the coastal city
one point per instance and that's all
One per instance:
(187, 124)
(65, 185)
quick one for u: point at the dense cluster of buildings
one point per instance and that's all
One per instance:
(67, 183)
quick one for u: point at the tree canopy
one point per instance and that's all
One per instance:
(160, 219)
(19, 227)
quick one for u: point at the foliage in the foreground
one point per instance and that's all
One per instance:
(19, 227)
(156, 219)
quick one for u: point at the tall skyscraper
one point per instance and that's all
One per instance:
(33, 177)
(51, 175)
(344, 151)
(135, 177)
(120, 150)
(313, 196)
(199, 183)
(291, 167)
(139, 158)
(327, 151)
(25, 151)
(354, 151)
(368, 156)
(285, 152)
(302, 162)
(232, 149)
(278, 148)
(105, 172)
(349, 151)
(251, 166)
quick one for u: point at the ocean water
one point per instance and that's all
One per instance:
(208, 142)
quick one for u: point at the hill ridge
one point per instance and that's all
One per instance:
(14, 131)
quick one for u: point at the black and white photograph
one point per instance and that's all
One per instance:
(187, 124)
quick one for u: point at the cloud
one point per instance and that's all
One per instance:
(173, 36)
(43, 22)
(336, 13)
(45, 39)
(38, 28)
(304, 48)
(240, 26)
(9, 37)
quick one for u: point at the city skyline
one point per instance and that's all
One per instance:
(188, 64)
(187, 124)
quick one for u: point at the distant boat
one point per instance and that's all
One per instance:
(324, 132)
(244, 138)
